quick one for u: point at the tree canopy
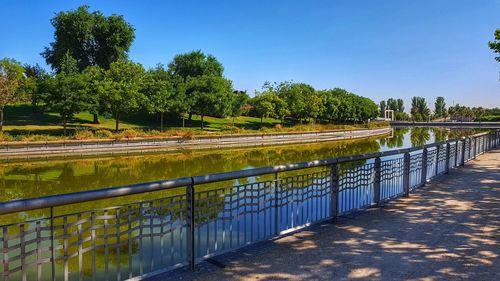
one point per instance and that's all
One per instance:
(90, 37)
(11, 82)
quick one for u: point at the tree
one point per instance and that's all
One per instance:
(34, 85)
(382, 107)
(439, 108)
(91, 38)
(159, 92)
(11, 82)
(495, 44)
(264, 105)
(120, 89)
(66, 94)
(212, 95)
(238, 100)
(190, 65)
(419, 109)
(297, 96)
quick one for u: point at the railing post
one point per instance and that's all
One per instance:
(436, 168)
(462, 162)
(474, 148)
(52, 245)
(447, 157)
(276, 205)
(190, 193)
(406, 174)
(456, 154)
(423, 180)
(376, 183)
(334, 192)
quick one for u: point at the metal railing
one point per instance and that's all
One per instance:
(194, 218)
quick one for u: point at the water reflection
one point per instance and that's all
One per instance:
(160, 224)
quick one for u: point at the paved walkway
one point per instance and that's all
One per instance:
(448, 230)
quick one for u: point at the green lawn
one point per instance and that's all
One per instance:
(22, 119)
(23, 123)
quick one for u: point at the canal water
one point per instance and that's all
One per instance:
(20, 180)
(141, 238)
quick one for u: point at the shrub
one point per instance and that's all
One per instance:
(5, 137)
(128, 134)
(103, 134)
(83, 135)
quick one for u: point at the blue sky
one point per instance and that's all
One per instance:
(378, 49)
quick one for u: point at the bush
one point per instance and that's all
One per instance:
(103, 134)
(128, 134)
(6, 137)
(83, 135)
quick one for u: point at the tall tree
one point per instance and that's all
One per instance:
(440, 108)
(159, 92)
(419, 109)
(120, 89)
(91, 38)
(190, 65)
(66, 94)
(382, 107)
(11, 82)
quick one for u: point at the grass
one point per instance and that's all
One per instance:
(22, 123)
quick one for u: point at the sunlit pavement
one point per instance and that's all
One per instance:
(448, 230)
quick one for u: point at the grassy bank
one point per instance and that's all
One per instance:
(23, 124)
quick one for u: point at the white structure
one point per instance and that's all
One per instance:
(388, 113)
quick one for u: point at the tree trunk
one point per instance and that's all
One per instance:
(183, 120)
(233, 121)
(1, 119)
(202, 122)
(117, 119)
(281, 122)
(161, 121)
(190, 116)
(96, 119)
(261, 121)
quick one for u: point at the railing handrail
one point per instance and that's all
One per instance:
(112, 192)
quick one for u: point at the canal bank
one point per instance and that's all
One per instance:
(13, 150)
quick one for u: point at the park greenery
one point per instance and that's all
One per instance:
(91, 74)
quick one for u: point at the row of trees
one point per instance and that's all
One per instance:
(421, 112)
(91, 72)
(302, 102)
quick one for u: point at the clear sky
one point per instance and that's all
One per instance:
(378, 49)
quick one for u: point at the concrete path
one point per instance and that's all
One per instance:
(448, 230)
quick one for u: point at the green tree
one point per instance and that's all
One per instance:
(120, 89)
(263, 104)
(159, 92)
(190, 65)
(11, 83)
(34, 86)
(495, 44)
(382, 107)
(66, 94)
(297, 96)
(330, 105)
(419, 109)
(212, 95)
(440, 108)
(91, 38)
(238, 100)
(194, 64)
